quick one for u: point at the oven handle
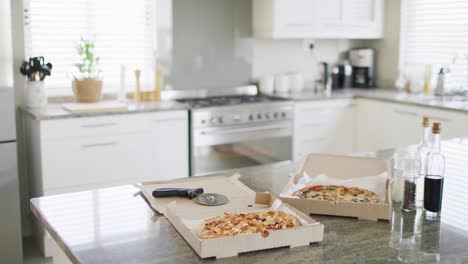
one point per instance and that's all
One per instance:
(245, 129)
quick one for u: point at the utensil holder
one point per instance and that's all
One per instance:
(36, 95)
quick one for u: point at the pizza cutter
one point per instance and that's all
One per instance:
(210, 199)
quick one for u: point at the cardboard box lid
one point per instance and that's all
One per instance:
(239, 195)
(343, 167)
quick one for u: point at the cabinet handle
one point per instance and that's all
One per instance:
(297, 25)
(103, 144)
(442, 119)
(98, 125)
(167, 120)
(315, 139)
(401, 112)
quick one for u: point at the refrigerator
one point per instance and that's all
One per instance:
(10, 219)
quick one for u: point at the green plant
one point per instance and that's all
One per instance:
(88, 67)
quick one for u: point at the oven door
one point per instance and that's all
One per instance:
(223, 148)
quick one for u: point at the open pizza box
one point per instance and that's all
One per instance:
(349, 169)
(187, 216)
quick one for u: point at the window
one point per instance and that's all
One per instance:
(124, 31)
(435, 32)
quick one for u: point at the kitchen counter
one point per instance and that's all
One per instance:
(56, 111)
(386, 96)
(116, 225)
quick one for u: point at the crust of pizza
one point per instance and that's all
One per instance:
(247, 223)
(334, 193)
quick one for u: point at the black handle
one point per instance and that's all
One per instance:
(178, 192)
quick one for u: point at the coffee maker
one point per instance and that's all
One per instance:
(362, 63)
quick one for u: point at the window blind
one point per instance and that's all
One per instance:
(435, 32)
(124, 32)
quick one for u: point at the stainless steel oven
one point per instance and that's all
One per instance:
(238, 136)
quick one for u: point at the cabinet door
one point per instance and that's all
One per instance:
(370, 132)
(170, 147)
(329, 17)
(403, 126)
(363, 18)
(92, 162)
(453, 124)
(323, 127)
(295, 17)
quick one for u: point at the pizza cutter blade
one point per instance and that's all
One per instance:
(211, 199)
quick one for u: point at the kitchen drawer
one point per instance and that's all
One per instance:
(322, 112)
(93, 126)
(102, 160)
(167, 116)
(453, 124)
(313, 130)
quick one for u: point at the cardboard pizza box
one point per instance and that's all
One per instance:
(186, 216)
(341, 167)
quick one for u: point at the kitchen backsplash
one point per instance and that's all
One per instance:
(210, 45)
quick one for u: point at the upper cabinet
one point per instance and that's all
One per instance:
(344, 19)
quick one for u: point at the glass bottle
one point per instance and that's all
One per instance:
(421, 152)
(434, 178)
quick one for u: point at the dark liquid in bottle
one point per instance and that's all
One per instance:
(433, 186)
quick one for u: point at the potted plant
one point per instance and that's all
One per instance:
(88, 86)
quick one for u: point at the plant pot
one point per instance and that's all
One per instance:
(87, 91)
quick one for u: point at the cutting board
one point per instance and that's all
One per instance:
(104, 106)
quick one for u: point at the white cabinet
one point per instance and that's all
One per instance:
(402, 125)
(370, 131)
(323, 126)
(454, 124)
(169, 145)
(354, 19)
(84, 153)
(384, 125)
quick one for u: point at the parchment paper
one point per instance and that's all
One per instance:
(376, 184)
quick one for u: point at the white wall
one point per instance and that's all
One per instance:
(281, 56)
(388, 48)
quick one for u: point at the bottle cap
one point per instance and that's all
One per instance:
(425, 122)
(436, 128)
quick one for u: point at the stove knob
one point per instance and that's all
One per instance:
(251, 117)
(275, 115)
(283, 114)
(220, 120)
(203, 121)
(267, 116)
(259, 116)
(212, 120)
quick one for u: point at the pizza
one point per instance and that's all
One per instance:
(335, 193)
(248, 223)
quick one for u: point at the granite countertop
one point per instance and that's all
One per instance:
(116, 225)
(387, 96)
(56, 111)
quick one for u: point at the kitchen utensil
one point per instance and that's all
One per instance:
(323, 80)
(211, 199)
(180, 192)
